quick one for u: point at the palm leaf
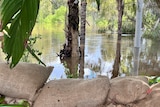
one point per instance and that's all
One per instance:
(18, 20)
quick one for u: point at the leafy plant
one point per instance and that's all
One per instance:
(154, 80)
(102, 25)
(20, 104)
(128, 30)
(68, 73)
(152, 34)
(58, 17)
(18, 20)
(31, 42)
(13, 105)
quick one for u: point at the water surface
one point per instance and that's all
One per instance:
(99, 55)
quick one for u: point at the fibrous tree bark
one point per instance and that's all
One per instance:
(71, 48)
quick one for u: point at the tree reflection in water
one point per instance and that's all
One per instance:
(71, 67)
(99, 59)
(99, 56)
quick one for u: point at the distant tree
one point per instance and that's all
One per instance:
(82, 35)
(120, 8)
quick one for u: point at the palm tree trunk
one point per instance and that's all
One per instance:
(71, 48)
(120, 7)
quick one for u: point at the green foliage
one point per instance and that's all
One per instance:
(128, 28)
(149, 20)
(45, 10)
(154, 80)
(18, 20)
(2, 98)
(129, 9)
(128, 24)
(56, 18)
(34, 52)
(152, 34)
(20, 104)
(59, 16)
(68, 73)
(106, 18)
(152, 31)
(102, 25)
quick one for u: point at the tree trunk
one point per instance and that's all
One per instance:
(120, 7)
(71, 48)
(72, 65)
(82, 36)
(158, 3)
(138, 34)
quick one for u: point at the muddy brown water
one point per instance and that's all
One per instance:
(99, 55)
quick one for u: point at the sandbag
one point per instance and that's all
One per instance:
(73, 93)
(149, 102)
(152, 99)
(22, 81)
(155, 90)
(143, 78)
(115, 105)
(127, 90)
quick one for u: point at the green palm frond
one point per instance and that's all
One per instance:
(18, 20)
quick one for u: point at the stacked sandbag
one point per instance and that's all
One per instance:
(152, 99)
(127, 90)
(115, 105)
(142, 78)
(24, 80)
(74, 93)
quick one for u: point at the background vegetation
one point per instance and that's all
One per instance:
(52, 15)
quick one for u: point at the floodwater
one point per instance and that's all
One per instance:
(99, 55)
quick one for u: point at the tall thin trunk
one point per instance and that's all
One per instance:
(138, 33)
(120, 7)
(82, 36)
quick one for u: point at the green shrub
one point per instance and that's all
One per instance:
(154, 80)
(128, 28)
(152, 34)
